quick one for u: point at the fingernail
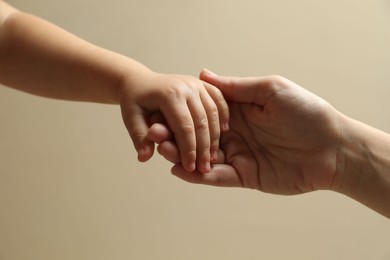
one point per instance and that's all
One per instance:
(206, 167)
(192, 167)
(225, 126)
(214, 156)
(141, 153)
(142, 149)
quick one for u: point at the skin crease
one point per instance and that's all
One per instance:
(285, 140)
(42, 59)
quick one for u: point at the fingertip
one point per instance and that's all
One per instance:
(225, 117)
(145, 152)
(214, 156)
(206, 167)
(188, 160)
(174, 169)
(191, 167)
(225, 127)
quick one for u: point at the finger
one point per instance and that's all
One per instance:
(159, 133)
(255, 90)
(135, 122)
(202, 133)
(223, 112)
(197, 106)
(221, 175)
(222, 106)
(180, 121)
(169, 151)
(213, 122)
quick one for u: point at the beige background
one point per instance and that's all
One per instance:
(70, 184)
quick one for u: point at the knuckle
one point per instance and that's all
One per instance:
(276, 80)
(137, 136)
(191, 155)
(274, 84)
(188, 129)
(202, 124)
(214, 115)
(175, 92)
(184, 89)
(181, 92)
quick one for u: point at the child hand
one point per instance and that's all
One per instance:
(194, 111)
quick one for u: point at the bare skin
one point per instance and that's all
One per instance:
(42, 59)
(285, 140)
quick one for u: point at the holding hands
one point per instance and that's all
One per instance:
(194, 111)
(40, 58)
(282, 138)
(285, 140)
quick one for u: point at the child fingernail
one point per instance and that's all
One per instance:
(206, 167)
(214, 156)
(142, 152)
(192, 167)
(225, 126)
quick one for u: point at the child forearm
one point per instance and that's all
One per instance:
(41, 58)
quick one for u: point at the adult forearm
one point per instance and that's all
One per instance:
(41, 58)
(366, 166)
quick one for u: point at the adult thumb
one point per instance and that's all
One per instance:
(255, 90)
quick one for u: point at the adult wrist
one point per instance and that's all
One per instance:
(350, 158)
(364, 167)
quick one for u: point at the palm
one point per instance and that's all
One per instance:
(275, 144)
